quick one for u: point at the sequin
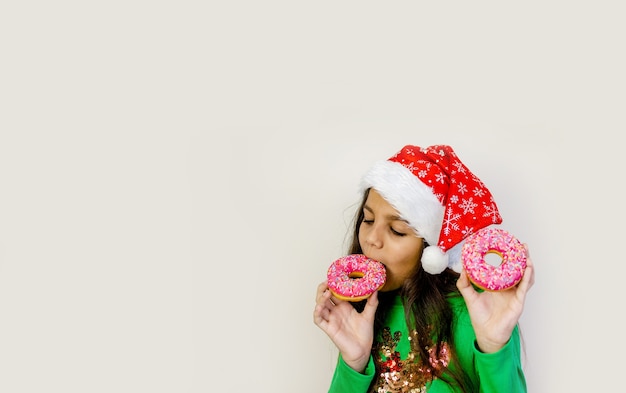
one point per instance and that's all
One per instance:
(411, 374)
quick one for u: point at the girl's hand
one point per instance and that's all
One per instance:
(494, 315)
(352, 332)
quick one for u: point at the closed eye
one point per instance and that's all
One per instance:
(393, 231)
(397, 233)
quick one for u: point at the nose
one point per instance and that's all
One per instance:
(374, 236)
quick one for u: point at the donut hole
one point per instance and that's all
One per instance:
(493, 258)
(356, 275)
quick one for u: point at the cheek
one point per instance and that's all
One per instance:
(407, 256)
(404, 267)
(362, 235)
(397, 272)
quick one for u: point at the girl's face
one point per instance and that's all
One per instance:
(387, 238)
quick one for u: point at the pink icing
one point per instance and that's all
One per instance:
(489, 277)
(340, 282)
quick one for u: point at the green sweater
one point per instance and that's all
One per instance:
(496, 372)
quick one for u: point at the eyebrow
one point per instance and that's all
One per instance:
(391, 217)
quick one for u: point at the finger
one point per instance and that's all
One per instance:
(462, 281)
(321, 289)
(465, 286)
(328, 300)
(528, 279)
(370, 306)
(320, 316)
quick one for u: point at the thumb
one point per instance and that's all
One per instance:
(465, 286)
(370, 306)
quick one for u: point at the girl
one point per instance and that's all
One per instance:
(428, 329)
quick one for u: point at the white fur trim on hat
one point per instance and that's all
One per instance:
(414, 200)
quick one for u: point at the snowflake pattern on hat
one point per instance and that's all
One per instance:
(469, 206)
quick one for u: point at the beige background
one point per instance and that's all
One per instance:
(175, 178)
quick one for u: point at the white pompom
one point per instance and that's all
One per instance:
(434, 261)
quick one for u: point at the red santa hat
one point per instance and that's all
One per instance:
(439, 197)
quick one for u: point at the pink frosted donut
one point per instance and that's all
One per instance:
(355, 277)
(502, 243)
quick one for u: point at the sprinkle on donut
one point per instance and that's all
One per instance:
(500, 242)
(355, 277)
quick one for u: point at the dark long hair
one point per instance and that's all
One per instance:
(426, 308)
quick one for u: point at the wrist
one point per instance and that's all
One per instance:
(359, 364)
(487, 346)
